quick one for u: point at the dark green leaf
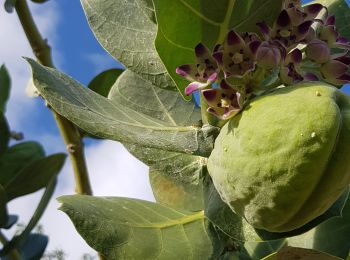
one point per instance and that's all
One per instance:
(5, 86)
(9, 5)
(332, 236)
(104, 118)
(3, 208)
(292, 253)
(34, 247)
(183, 24)
(12, 219)
(123, 228)
(104, 81)
(17, 157)
(34, 176)
(4, 133)
(127, 30)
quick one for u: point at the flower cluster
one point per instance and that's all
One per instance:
(302, 44)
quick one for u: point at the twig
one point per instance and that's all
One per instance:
(69, 131)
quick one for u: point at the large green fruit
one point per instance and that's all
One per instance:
(285, 159)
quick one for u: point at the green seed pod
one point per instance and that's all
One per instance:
(285, 159)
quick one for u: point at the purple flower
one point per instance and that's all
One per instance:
(203, 73)
(335, 71)
(236, 56)
(224, 102)
(289, 72)
(318, 51)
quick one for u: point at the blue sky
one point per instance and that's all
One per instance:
(77, 53)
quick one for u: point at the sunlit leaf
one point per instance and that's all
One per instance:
(175, 177)
(123, 228)
(127, 30)
(105, 118)
(183, 24)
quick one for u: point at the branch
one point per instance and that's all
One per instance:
(68, 130)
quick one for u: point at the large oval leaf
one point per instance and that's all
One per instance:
(123, 228)
(17, 157)
(104, 118)
(127, 30)
(34, 176)
(183, 24)
(175, 177)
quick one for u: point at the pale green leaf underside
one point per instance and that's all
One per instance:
(177, 183)
(183, 24)
(127, 30)
(124, 228)
(105, 118)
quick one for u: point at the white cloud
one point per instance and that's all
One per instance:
(114, 172)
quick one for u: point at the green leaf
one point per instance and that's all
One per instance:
(176, 193)
(34, 176)
(12, 219)
(17, 157)
(3, 207)
(5, 86)
(259, 250)
(104, 118)
(127, 30)
(341, 10)
(9, 5)
(174, 176)
(332, 236)
(4, 133)
(292, 253)
(123, 228)
(34, 247)
(104, 81)
(183, 24)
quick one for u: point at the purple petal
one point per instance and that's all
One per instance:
(210, 94)
(218, 57)
(313, 9)
(233, 38)
(304, 27)
(193, 87)
(310, 77)
(184, 70)
(344, 59)
(296, 56)
(345, 78)
(342, 39)
(254, 46)
(200, 50)
(264, 28)
(330, 20)
(213, 77)
(283, 19)
(333, 69)
(224, 85)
